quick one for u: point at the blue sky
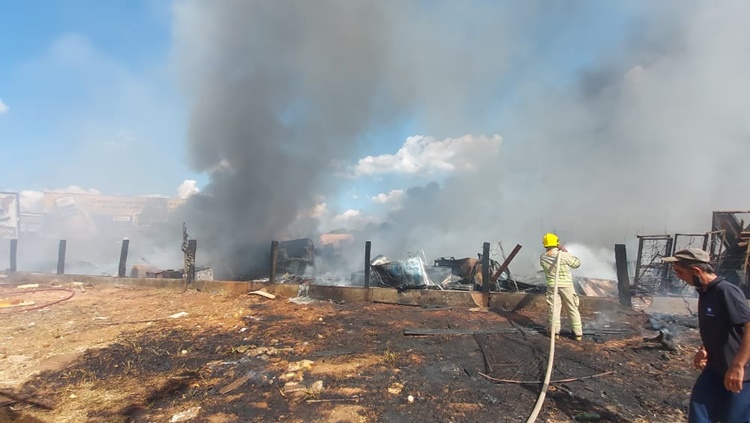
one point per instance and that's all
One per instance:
(91, 94)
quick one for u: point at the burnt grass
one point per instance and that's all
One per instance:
(170, 367)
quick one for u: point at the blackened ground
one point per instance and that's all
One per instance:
(155, 370)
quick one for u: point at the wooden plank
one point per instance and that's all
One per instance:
(236, 384)
(262, 294)
(587, 289)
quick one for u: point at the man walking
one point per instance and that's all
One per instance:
(722, 391)
(566, 293)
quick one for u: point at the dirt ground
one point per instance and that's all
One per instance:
(114, 354)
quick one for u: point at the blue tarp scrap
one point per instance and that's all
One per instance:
(403, 274)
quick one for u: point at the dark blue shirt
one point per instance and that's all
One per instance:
(722, 313)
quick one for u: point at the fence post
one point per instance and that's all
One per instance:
(13, 254)
(274, 256)
(368, 293)
(623, 281)
(192, 247)
(123, 258)
(486, 274)
(61, 257)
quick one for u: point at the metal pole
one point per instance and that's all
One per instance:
(123, 258)
(13, 254)
(274, 257)
(666, 268)
(638, 260)
(61, 257)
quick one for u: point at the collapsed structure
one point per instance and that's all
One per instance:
(727, 242)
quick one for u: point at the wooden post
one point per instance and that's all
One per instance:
(274, 256)
(192, 247)
(623, 281)
(13, 254)
(123, 258)
(61, 257)
(368, 293)
(486, 274)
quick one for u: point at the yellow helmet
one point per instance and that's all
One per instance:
(550, 240)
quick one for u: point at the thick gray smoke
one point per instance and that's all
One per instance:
(280, 91)
(649, 138)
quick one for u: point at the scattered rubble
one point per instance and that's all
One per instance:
(309, 362)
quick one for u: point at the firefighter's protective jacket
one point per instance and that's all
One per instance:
(567, 261)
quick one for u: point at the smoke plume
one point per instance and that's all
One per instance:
(648, 136)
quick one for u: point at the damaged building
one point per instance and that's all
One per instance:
(727, 243)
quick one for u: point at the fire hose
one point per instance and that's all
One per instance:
(551, 357)
(29, 291)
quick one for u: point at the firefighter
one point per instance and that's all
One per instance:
(566, 292)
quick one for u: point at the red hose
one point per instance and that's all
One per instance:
(70, 291)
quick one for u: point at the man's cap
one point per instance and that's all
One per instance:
(689, 254)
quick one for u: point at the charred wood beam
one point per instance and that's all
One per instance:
(486, 274)
(61, 257)
(428, 332)
(368, 247)
(190, 271)
(274, 257)
(727, 221)
(123, 258)
(506, 263)
(623, 281)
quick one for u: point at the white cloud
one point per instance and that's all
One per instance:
(74, 189)
(425, 155)
(353, 219)
(395, 196)
(187, 188)
(3, 107)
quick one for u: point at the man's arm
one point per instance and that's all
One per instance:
(736, 371)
